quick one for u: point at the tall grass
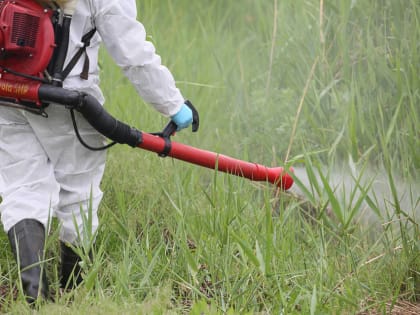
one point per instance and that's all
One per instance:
(177, 238)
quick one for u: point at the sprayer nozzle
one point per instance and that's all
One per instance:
(286, 181)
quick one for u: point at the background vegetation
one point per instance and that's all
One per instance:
(319, 85)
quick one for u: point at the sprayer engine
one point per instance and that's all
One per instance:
(26, 46)
(26, 37)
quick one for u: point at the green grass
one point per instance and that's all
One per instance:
(175, 237)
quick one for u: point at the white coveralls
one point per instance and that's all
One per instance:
(44, 170)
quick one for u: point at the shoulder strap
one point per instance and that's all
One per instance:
(82, 50)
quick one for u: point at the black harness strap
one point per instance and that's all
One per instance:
(83, 75)
(82, 50)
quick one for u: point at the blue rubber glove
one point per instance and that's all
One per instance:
(183, 118)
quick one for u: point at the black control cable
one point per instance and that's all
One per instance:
(79, 137)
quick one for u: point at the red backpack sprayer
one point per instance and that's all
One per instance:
(33, 47)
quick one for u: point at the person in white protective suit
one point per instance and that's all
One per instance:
(44, 169)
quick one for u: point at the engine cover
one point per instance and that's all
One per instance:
(26, 38)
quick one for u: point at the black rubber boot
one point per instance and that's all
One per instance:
(71, 271)
(27, 240)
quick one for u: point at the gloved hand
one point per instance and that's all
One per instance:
(183, 118)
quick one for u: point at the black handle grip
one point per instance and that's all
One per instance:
(196, 117)
(171, 127)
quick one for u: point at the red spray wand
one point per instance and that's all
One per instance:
(160, 142)
(223, 163)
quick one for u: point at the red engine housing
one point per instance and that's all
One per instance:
(26, 38)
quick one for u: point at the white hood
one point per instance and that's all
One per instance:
(68, 6)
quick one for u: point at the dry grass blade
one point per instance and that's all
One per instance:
(400, 307)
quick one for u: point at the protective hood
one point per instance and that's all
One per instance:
(68, 6)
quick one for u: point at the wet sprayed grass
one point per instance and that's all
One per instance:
(312, 84)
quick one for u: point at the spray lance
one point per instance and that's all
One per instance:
(27, 50)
